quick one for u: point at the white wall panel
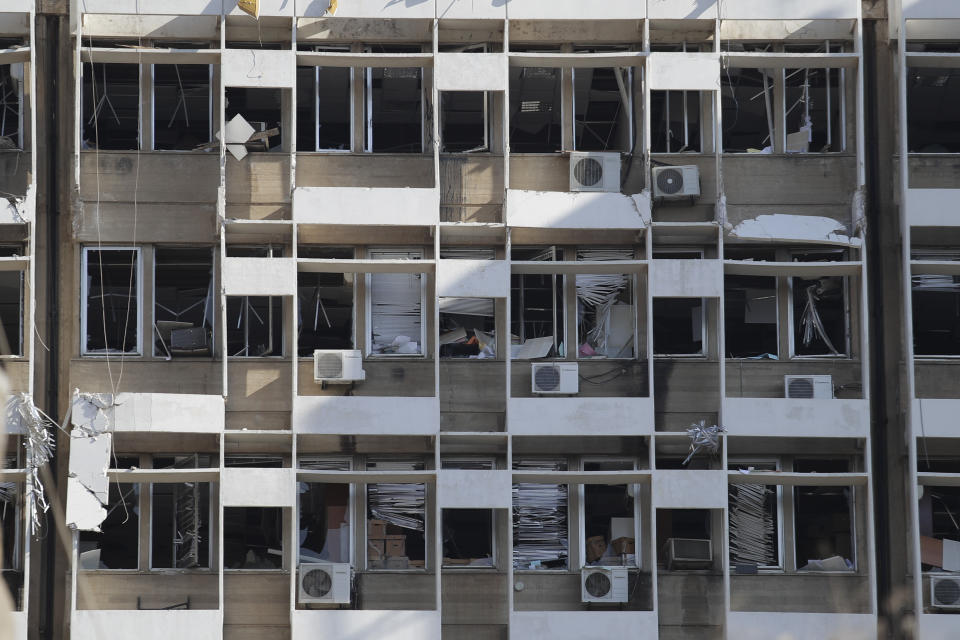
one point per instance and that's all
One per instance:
(470, 71)
(345, 624)
(682, 9)
(471, 9)
(257, 68)
(368, 8)
(467, 489)
(933, 207)
(260, 276)
(788, 9)
(367, 206)
(248, 487)
(18, 5)
(752, 625)
(686, 278)
(580, 416)
(366, 415)
(936, 417)
(583, 625)
(473, 278)
(797, 417)
(937, 626)
(684, 71)
(930, 9)
(575, 10)
(577, 210)
(687, 489)
(267, 8)
(146, 625)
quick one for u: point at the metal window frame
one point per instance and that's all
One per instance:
(153, 108)
(351, 510)
(85, 303)
(847, 329)
(209, 542)
(368, 306)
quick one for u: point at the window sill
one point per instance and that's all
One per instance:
(248, 572)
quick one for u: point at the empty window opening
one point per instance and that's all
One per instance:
(111, 310)
(814, 116)
(262, 109)
(252, 537)
(609, 526)
(325, 530)
(254, 326)
(325, 107)
(11, 306)
(606, 314)
(396, 520)
(183, 308)
(754, 520)
(824, 520)
(463, 121)
(933, 123)
(748, 110)
(939, 508)
(117, 546)
(11, 101)
(111, 106)
(536, 308)
(602, 108)
(182, 105)
(540, 525)
(395, 303)
(675, 122)
(819, 316)
(11, 526)
(684, 539)
(180, 523)
(325, 305)
(936, 315)
(750, 316)
(536, 114)
(679, 327)
(394, 106)
(468, 538)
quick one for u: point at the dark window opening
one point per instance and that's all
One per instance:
(814, 120)
(750, 316)
(254, 326)
(823, 519)
(325, 305)
(933, 123)
(936, 315)
(540, 525)
(117, 546)
(467, 328)
(261, 108)
(396, 517)
(606, 314)
(180, 523)
(536, 308)
(601, 109)
(324, 108)
(683, 538)
(12, 530)
(182, 106)
(183, 301)
(819, 316)
(324, 522)
(11, 99)
(753, 517)
(535, 110)
(468, 538)
(394, 106)
(938, 509)
(463, 121)
(252, 537)
(111, 106)
(678, 326)
(675, 122)
(11, 312)
(609, 532)
(112, 305)
(748, 110)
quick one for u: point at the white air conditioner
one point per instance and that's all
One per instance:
(338, 366)
(323, 583)
(689, 553)
(555, 377)
(676, 183)
(594, 171)
(945, 592)
(604, 584)
(814, 387)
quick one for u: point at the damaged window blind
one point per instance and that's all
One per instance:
(180, 518)
(605, 310)
(540, 527)
(396, 307)
(820, 323)
(936, 315)
(396, 515)
(754, 536)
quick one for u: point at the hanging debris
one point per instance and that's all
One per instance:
(753, 525)
(39, 444)
(810, 322)
(703, 437)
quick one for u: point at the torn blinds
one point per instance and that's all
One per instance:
(540, 538)
(395, 307)
(703, 438)
(936, 315)
(605, 312)
(753, 521)
(400, 504)
(39, 444)
(821, 327)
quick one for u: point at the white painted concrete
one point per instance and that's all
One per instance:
(471, 9)
(368, 8)
(933, 207)
(20, 211)
(125, 26)
(936, 417)
(789, 9)
(801, 418)
(248, 487)
(18, 625)
(684, 71)
(577, 210)
(752, 625)
(171, 412)
(87, 484)
(784, 227)
(473, 278)
(583, 625)
(465, 489)
(346, 624)
(682, 9)
(368, 415)
(686, 278)
(267, 8)
(930, 9)
(937, 626)
(156, 7)
(688, 489)
(17, 6)
(470, 71)
(575, 10)
(115, 624)
(366, 206)
(257, 68)
(580, 416)
(260, 276)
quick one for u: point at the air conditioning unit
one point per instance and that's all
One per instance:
(676, 183)
(604, 584)
(594, 171)
(338, 366)
(689, 553)
(945, 592)
(814, 387)
(555, 378)
(323, 583)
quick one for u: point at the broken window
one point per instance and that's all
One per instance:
(936, 310)
(252, 537)
(602, 109)
(536, 307)
(754, 518)
(819, 311)
(254, 323)
(606, 314)
(325, 106)
(180, 525)
(394, 106)
(535, 109)
(11, 305)
(325, 304)
(468, 538)
(262, 109)
(182, 105)
(111, 106)
(933, 123)
(183, 308)
(675, 122)
(748, 109)
(117, 545)
(814, 118)
(939, 508)
(395, 302)
(325, 514)
(823, 520)
(12, 530)
(467, 328)
(463, 121)
(750, 316)
(111, 291)
(679, 326)
(609, 523)
(396, 519)
(11, 99)
(540, 526)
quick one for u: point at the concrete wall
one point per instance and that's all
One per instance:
(802, 626)
(359, 625)
(583, 625)
(153, 625)
(789, 417)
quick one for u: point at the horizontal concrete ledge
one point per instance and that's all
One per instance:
(473, 278)
(146, 625)
(366, 415)
(260, 276)
(346, 624)
(789, 417)
(689, 489)
(248, 487)
(577, 210)
(468, 489)
(154, 412)
(382, 206)
(580, 416)
(932, 207)
(578, 625)
(754, 625)
(936, 417)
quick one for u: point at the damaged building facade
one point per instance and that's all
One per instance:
(480, 319)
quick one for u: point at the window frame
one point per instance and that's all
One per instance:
(21, 107)
(214, 340)
(582, 515)
(84, 298)
(747, 461)
(316, 102)
(930, 254)
(630, 108)
(632, 288)
(153, 106)
(368, 109)
(351, 504)
(494, 550)
(854, 536)
(372, 252)
(18, 248)
(211, 519)
(777, 301)
(847, 353)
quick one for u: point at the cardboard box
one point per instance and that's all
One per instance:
(395, 546)
(596, 546)
(375, 549)
(624, 545)
(376, 529)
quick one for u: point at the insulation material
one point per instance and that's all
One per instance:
(780, 227)
(540, 538)
(596, 295)
(398, 504)
(703, 438)
(811, 324)
(87, 483)
(396, 307)
(39, 443)
(753, 525)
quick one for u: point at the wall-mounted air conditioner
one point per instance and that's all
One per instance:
(689, 553)
(604, 584)
(945, 592)
(323, 582)
(676, 183)
(594, 171)
(812, 387)
(555, 378)
(338, 366)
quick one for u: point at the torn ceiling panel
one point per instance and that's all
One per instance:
(782, 227)
(88, 486)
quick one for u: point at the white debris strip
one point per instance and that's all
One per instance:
(780, 227)
(703, 438)
(90, 448)
(23, 416)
